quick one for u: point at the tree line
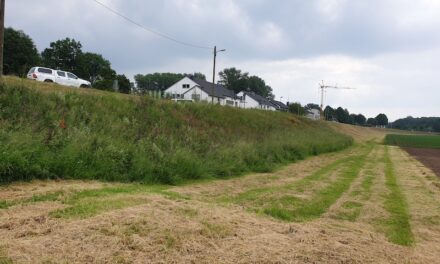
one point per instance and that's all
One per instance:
(20, 54)
(340, 115)
(427, 124)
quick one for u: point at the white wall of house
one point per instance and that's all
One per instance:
(181, 87)
(247, 101)
(314, 114)
(196, 94)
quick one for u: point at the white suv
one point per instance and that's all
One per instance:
(56, 76)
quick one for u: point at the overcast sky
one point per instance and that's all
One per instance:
(388, 49)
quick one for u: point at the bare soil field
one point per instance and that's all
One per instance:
(429, 157)
(367, 204)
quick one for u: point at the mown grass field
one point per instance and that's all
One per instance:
(413, 141)
(50, 131)
(369, 203)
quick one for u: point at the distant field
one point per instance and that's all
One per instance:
(413, 141)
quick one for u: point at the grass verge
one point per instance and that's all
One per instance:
(50, 131)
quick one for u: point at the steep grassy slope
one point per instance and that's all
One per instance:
(49, 131)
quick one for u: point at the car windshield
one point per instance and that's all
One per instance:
(31, 70)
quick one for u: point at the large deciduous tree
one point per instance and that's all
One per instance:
(342, 115)
(63, 54)
(124, 84)
(94, 67)
(360, 119)
(372, 122)
(257, 85)
(20, 53)
(234, 79)
(297, 109)
(382, 120)
(156, 81)
(330, 113)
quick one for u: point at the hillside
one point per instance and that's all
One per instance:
(49, 131)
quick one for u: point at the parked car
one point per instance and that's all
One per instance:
(56, 76)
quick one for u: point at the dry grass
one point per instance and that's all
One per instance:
(193, 227)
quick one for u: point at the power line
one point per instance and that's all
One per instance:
(151, 30)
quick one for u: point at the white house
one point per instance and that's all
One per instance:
(253, 100)
(314, 114)
(195, 90)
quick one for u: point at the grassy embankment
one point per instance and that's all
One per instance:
(413, 141)
(49, 131)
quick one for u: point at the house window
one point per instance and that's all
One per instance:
(185, 86)
(195, 97)
(229, 102)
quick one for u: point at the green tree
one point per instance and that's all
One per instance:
(312, 106)
(63, 54)
(157, 81)
(197, 75)
(297, 109)
(330, 113)
(94, 67)
(382, 120)
(257, 85)
(342, 115)
(20, 53)
(360, 120)
(372, 122)
(124, 84)
(436, 125)
(234, 79)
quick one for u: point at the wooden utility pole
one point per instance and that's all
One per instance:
(2, 33)
(213, 71)
(213, 75)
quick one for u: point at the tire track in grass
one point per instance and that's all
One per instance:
(397, 226)
(282, 204)
(309, 209)
(350, 205)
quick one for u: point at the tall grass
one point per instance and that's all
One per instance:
(49, 131)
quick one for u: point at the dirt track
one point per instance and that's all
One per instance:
(429, 157)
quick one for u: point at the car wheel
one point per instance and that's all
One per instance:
(84, 86)
(48, 81)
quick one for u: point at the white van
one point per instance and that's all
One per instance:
(56, 76)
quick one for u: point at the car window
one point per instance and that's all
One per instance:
(62, 74)
(45, 70)
(71, 75)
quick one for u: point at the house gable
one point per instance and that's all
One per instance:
(180, 87)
